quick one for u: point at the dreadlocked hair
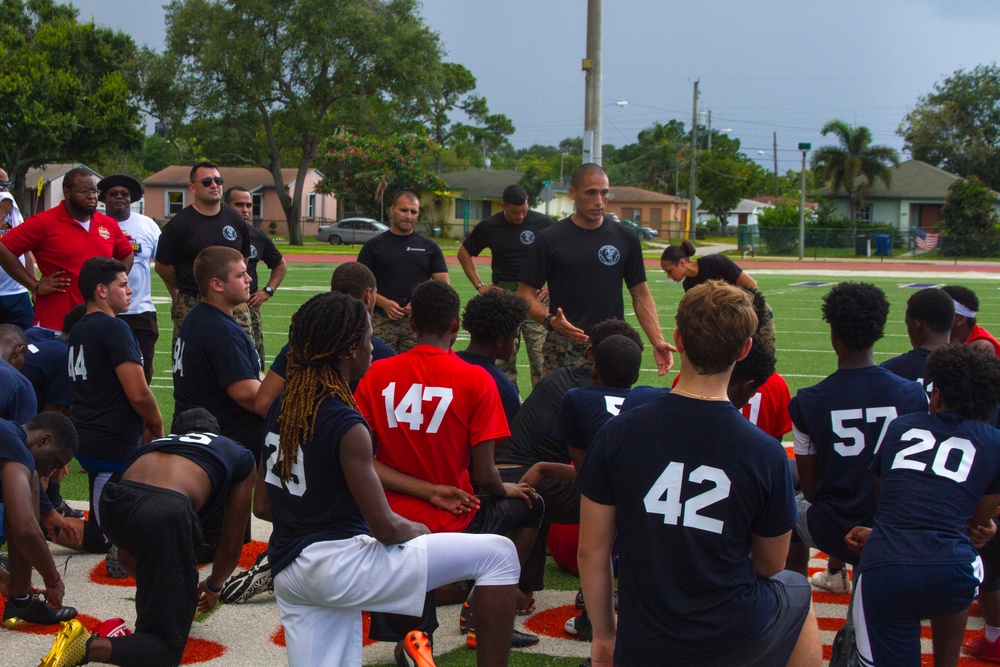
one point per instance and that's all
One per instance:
(326, 329)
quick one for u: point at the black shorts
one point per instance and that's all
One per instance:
(501, 516)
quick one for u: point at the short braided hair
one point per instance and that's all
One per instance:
(326, 329)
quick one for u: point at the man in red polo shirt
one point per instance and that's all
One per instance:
(61, 240)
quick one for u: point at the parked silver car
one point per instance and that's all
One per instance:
(350, 231)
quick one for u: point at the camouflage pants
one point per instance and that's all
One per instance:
(397, 334)
(257, 324)
(532, 339)
(182, 305)
(765, 329)
(558, 351)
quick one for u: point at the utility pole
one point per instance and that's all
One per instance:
(709, 129)
(593, 90)
(692, 207)
(802, 202)
(775, 168)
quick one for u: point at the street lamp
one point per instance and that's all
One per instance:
(804, 147)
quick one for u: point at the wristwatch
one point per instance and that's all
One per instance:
(547, 323)
(269, 290)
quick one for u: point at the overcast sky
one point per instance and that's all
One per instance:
(784, 66)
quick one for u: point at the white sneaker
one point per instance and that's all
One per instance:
(838, 582)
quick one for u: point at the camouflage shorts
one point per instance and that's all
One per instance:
(532, 339)
(397, 334)
(183, 303)
(257, 324)
(559, 351)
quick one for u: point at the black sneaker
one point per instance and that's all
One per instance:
(467, 626)
(37, 611)
(113, 566)
(580, 627)
(68, 511)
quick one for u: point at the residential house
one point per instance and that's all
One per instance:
(667, 214)
(914, 200)
(469, 196)
(50, 178)
(167, 193)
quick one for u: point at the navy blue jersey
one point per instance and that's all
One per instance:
(692, 482)
(211, 353)
(17, 396)
(262, 249)
(531, 438)
(316, 504)
(38, 334)
(508, 243)
(642, 394)
(843, 421)
(934, 470)
(379, 351)
(224, 461)
(46, 369)
(400, 263)
(14, 447)
(910, 365)
(106, 423)
(509, 397)
(584, 269)
(583, 412)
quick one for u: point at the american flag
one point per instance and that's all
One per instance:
(927, 241)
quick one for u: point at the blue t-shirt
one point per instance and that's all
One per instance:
(509, 398)
(846, 417)
(107, 425)
(910, 365)
(226, 462)
(14, 447)
(934, 470)
(45, 368)
(316, 504)
(211, 353)
(17, 396)
(692, 482)
(642, 394)
(583, 412)
(38, 334)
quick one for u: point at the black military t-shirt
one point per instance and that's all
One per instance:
(714, 267)
(106, 423)
(400, 263)
(261, 250)
(508, 243)
(584, 269)
(189, 232)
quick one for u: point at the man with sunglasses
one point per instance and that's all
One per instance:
(15, 303)
(206, 222)
(61, 239)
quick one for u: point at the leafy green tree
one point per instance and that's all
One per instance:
(970, 219)
(65, 95)
(957, 125)
(365, 170)
(451, 89)
(284, 75)
(723, 179)
(855, 165)
(655, 160)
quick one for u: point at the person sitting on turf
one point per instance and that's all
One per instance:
(930, 315)
(939, 488)
(493, 321)
(687, 483)
(332, 523)
(153, 516)
(47, 442)
(838, 424)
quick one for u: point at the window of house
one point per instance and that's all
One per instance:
(258, 206)
(174, 201)
(865, 213)
(311, 205)
(477, 209)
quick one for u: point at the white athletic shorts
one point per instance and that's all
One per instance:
(322, 593)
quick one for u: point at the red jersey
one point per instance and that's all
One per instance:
(768, 408)
(427, 409)
(979, 333)
(60, 243)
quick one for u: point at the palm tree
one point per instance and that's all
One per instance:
(843, 166)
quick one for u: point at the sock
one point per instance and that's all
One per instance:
(22, 601)
(992, 633)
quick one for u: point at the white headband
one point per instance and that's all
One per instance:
(963, 311)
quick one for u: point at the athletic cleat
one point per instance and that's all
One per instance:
(465, 616)
(113, 627)
(416, 651)
(580, 604)
(68, 511)
(580, 627)
(243, 586)
(518, 639)
(837, 582)
(978, 647)
(37, 611)
(113, 566)
(70, 647)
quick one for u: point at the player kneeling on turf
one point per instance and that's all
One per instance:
(337, 548)
(940, 485)
(685, 482)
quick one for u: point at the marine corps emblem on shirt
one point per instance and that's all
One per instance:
(103, 231)
(229, 233)
(608, 255)
(527, 237)
(253, 252)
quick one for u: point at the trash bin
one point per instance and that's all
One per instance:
(862, 245)
(882, 245)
